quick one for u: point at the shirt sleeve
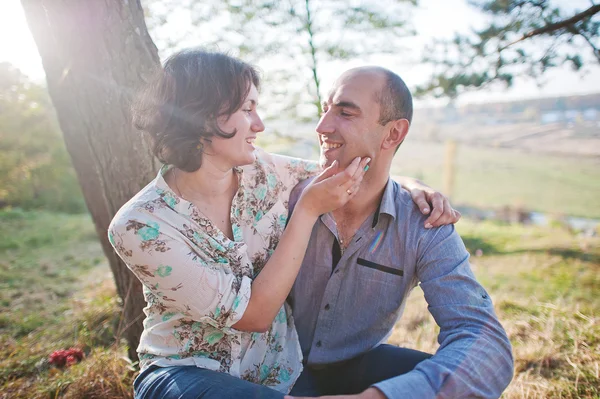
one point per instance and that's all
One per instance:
(474, 359)
(178, 277)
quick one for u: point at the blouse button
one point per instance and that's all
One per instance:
(319, 344)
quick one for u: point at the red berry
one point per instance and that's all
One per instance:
(71, 360)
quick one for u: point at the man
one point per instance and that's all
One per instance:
(365, 258)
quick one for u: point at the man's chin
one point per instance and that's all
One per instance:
(324, 162)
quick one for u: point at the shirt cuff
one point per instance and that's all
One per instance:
(239, 305)
(412, 385)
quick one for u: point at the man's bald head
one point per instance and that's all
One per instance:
(393, 96)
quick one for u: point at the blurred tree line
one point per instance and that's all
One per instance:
(35, 168)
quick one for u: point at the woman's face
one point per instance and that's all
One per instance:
(238, 150)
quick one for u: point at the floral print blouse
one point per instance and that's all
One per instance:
(197, 282)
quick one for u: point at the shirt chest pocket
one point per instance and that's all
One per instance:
(373, 273)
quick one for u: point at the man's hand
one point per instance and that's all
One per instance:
(371, 393)
(442, 213)
(427, 198)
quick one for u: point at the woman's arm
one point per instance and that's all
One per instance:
(272, 286)
(426, 198)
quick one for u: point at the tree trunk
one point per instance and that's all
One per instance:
(96, 54)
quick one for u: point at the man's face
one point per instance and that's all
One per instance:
(349, 125)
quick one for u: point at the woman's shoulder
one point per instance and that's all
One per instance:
(285, 167)
(283, 160)
(139, 208)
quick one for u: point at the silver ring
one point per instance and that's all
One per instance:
(349, 192)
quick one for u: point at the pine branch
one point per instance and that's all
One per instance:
(558, 25)
(589, 41)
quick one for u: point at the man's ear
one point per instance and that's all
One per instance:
(397, 133)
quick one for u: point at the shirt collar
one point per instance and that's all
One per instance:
(177, 203)
(387, 204)
(165, 192)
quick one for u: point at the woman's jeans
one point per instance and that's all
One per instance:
(191, 382)
(348, 377)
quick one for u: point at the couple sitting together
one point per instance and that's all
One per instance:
(268, 276)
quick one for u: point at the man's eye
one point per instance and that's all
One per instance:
(345, 114)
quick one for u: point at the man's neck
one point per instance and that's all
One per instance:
(364, 203)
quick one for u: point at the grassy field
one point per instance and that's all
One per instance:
(494, 177)
(57, 292)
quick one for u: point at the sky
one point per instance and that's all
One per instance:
(433, 18)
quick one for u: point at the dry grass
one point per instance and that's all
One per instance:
(545, 289)
(105, 371)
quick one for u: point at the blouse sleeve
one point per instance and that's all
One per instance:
(179, 277)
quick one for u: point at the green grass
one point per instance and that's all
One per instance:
(42, 256)
(544, 283)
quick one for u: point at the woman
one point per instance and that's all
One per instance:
(201, 237)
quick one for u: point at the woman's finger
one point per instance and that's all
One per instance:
(328, 172)
(354, 188)
(358, 175)
(344, 175)
(363, 166)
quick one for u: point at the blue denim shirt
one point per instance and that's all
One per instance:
(346, 309)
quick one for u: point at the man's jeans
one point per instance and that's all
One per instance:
(190, 382)
(355, 375)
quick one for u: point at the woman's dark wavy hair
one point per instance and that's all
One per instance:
(179, 108)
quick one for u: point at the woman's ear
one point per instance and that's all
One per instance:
(396, 134)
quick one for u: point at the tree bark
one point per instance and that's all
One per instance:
(96, 54)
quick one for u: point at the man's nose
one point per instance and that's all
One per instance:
(325, 125)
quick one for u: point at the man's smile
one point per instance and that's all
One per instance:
(330, 145)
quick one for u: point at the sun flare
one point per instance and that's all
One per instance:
(16, 43)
